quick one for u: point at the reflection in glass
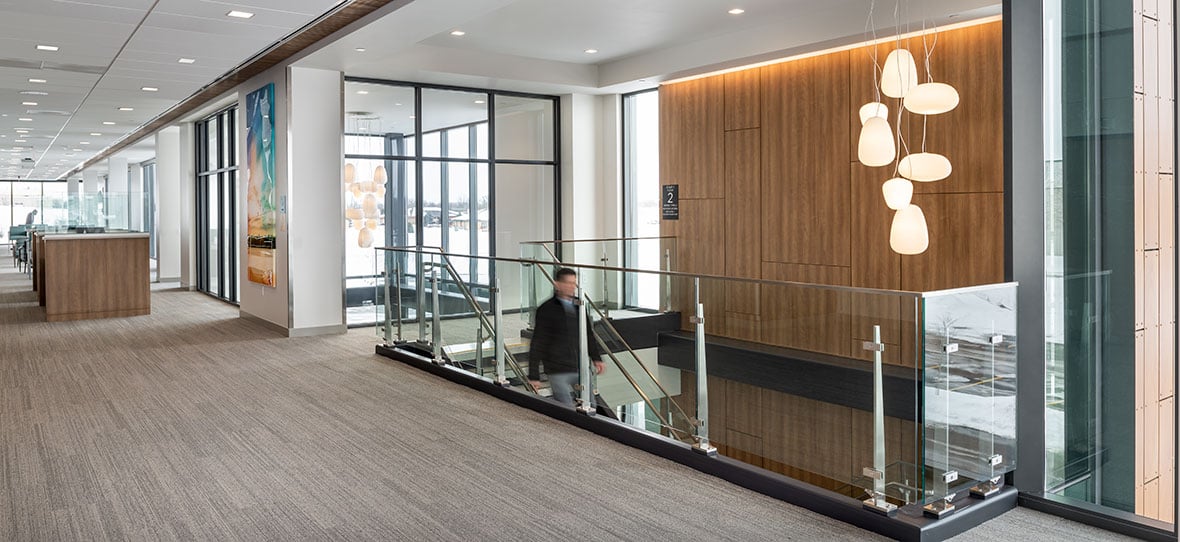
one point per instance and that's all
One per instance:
(524, 128)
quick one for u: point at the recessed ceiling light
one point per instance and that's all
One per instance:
(20, 141)
(240, 14)
(25, 119)
(34, 93)
(360, 49)
(34, 80)
(21, 131)
(413, 117)
(591, 51)
(480, 101)
(28, 103)
(83, 142)
(362, 92)
(96, 134)
(458, 33)
(398, 104)
(46, 47)
(149, 89)
(126, 109)
(77, 150)
(186, 60)
(736, 11)
(108, 123)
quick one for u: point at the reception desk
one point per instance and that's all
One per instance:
(93, 275)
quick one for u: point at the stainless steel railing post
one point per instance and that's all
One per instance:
(584, 398)
(498, 336)
(435, 319)
(702, 445)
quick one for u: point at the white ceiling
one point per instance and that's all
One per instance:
(108, 51)
(539, 45)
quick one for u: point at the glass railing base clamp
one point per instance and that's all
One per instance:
(986, 489)
(877, 503)
(704, 448)
(501, 381)
(587, 409)
(941, 508)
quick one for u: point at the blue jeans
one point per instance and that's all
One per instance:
(562, 385)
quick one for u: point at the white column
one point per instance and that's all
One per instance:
(73, 199)
(89, 211)
(91, 181)
(135, 194)
(168, 175)
(580, 195)
(116, 193)
(315, 208)
(187, 201)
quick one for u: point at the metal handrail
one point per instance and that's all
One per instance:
(566, 241)
(483, 319)
(702, 276)
(627, 374)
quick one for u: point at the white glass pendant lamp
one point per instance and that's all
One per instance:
(931, 99)
(875, 147)
(873, 109)
(924, 167)
(899, 75)
(908, 234)
(898, 192)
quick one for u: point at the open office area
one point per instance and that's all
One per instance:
(525, 269)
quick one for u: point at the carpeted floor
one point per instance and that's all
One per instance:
(193, 424)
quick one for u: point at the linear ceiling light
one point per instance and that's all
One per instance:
(240, 14)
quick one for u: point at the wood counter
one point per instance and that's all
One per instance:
(93, 275)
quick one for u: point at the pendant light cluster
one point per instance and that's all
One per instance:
(879, 145)
(364, 212)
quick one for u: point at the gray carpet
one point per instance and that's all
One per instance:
(192, 424)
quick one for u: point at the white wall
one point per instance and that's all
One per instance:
(186, 206)
(116, 195)
(258, 300)
(91, 181)
(135, 196)
(315, 205)
(168, 189)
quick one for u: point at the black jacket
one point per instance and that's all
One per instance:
(555, 340)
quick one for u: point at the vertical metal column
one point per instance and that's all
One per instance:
(530, 283)
(498, 335)
(605, 305)
(397, 273)
(668, 280)
(420, 288)
(876, 502)
(584, 405)
(435, 319)
(385, 308)
(702, 444)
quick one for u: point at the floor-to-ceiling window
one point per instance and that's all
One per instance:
(19, 198)
(641, 185)
(217, 205)
(1109, 231)
(470, 171)
(149, 207)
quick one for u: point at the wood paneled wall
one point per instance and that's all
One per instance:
(770, 188)
(821, 443)
(1155, 261)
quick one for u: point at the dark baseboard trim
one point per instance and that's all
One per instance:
(907, 525)
(1124, 523)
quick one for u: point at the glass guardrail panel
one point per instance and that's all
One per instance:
(790, 381)
(971, 382)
